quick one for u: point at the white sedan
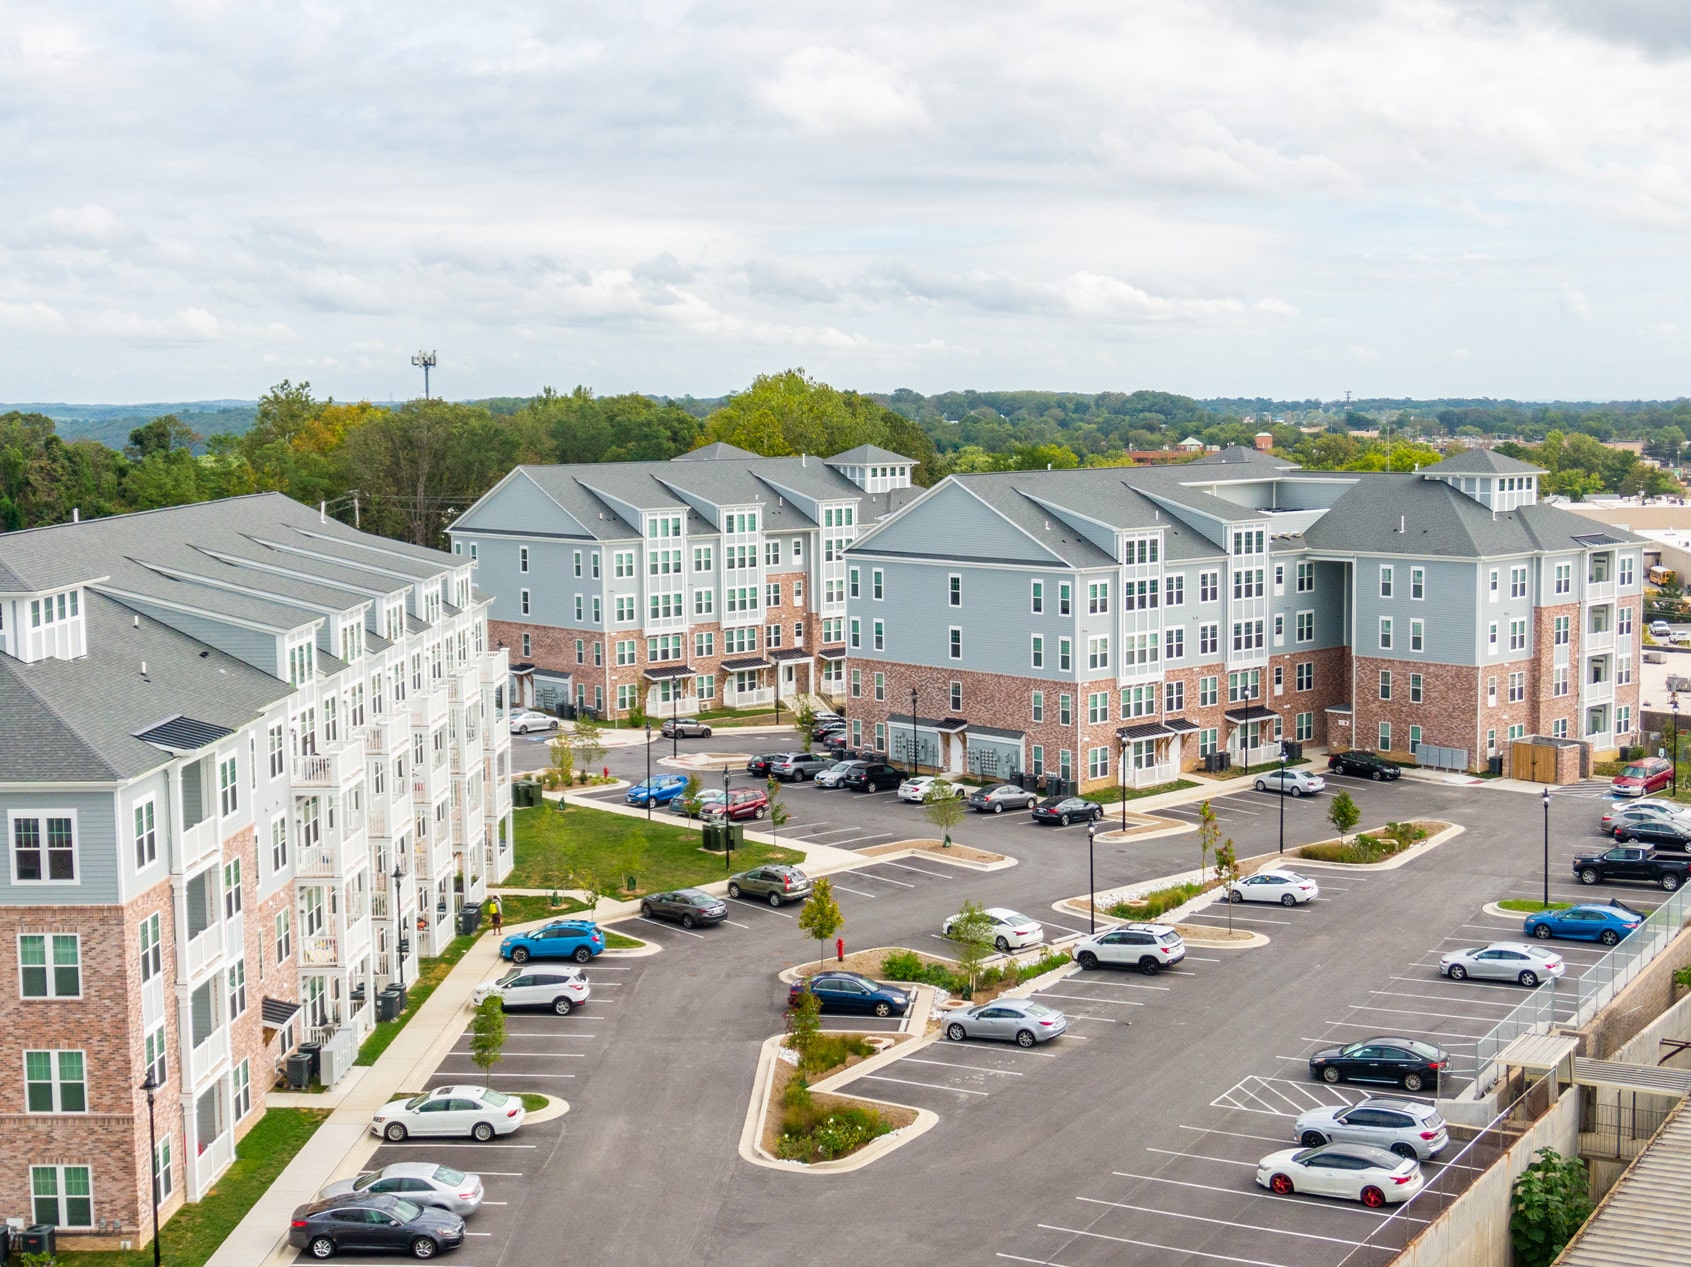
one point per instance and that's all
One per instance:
(479, 1112)
(1008, 930)
(1356, 1172)
(1291, 782)
(1285, 887)
(918, 790)
(528, 720)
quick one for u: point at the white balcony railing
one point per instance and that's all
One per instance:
(1599, 591)
(197, 843)
(428, 708)
(389, 735)
(341, 766)
(203, 951)
(202, 1064)
(1598, 692)
(1150, 776)
(213, 1158)
(1603, 640)
(763, 696)
(320, 950)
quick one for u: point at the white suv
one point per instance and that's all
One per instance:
(561, 989)
(1410, 1128)
(1147, 947)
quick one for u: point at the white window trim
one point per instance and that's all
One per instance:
(54, 1082)
(12, 816)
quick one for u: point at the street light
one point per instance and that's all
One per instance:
(648, 772)
(675, 717)
(1124, 785)
(915, 765)
(398, 923)
(1547, 849)
(1282, 796)
(1675, 776)
(727, 830)
(1091, 884)
(149, 1086)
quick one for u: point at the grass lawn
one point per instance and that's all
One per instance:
(1114, 796)
(616, 941)
(1527, 905)
(525, 908)
(431, 972)
(553, 846)
(195, 1231)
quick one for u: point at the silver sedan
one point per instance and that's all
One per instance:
(420, 1181)
(1019, 1021)
(1504, 961)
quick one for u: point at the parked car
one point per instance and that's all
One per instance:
(422, 1182)
(1660, 629)
(742, 803)
(872, 776)
(528, 721)
(561, 989)
(1291, 782)
(1607, 924)
(850, 992)
(1066, 810)
(1409, 1128)
(686, 907)
(379, 1223)
(1410, 1063)
(1147, 947)
(1640, 778)
(825, 726)
(1367, 765)
(479, 1112)
(1011, 930)
(796, 767)
(577, 939)
(1641, 811)
(705, 799)
(685, 728)
(1503, 961)
(1633, 863)
(759, 765)
(835, 774)
(660, 789)
(1356, 1172)
(776, 883)
(1658, 833)
(995, 800)
(919, 790)
(1285, 887)
(1021, 1021)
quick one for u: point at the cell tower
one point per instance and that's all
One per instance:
(425, 360)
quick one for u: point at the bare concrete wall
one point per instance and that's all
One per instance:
(1474, 1231)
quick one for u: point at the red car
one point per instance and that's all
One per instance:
(743, 803)
(1640, 778)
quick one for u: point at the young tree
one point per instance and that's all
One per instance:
(1209, 836)
(587, 741)
(690, 796)
(804, 721)
(944, 807)
(805, 1023)
(563, 760)
(1227, 871)
(820, 917)
(779, 814)
(971, 930)
(1343, 814)
(487, 1034)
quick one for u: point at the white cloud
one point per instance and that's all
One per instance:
(829, 90)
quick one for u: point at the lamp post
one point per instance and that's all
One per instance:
(149, 1086)
(1675, 752)
(1547, 849)
(398, 923)
(1124, 785)
(675, 717)
(648, 772)
(1091, 883)
(1282, 797)
(915, 765)
(727, 834)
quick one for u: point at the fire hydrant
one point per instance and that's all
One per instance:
(839, 949)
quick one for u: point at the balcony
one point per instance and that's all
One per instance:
(319, 950)
(357, 940)
(389, 736)
(338, 853)
(197, 843)
(495, 666)
(1597, 692)
(428, 784)
(761, 697)
(428, 708)
(202, 952)
(340, 767)
(201, 1065)
(463, 686)
(1599, 591)
(1597, 641)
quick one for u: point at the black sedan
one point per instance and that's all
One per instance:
(1067, 809)
(850, 992)
(376, 1223)
(1661, 833)
(760, 764)
(1365, 765)
(686, 907)
(872, 776)
(1407, 1062)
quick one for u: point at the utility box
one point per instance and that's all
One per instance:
(388, 1003)
(39, 1238)
(716, 836)
(339, 1051)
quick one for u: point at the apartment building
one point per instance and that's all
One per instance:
(1124, 624)
(249, 757)
(714, 580)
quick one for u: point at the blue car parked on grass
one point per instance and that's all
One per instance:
(577, 939)
(1607, 924)
(660, 789)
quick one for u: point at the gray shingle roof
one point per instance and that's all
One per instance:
(866, 453)
(714, 452)
(1482, 462)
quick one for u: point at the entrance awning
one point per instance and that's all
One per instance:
(1146, 730)
(278, 1012)
(993, 732)
(1256, 712)
(791, 653)
(664, 672)
(1180, 726)
(831, 653)
(738, 665)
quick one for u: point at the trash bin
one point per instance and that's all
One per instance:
(5, 1242)
(469, 919)
(313, 1053)
(1495, 766)
(38, 1238)
(298, 1064)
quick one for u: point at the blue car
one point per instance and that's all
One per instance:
(577, 939)
(660, 789)
(1607, 924)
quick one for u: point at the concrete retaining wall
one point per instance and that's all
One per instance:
(1645, 998)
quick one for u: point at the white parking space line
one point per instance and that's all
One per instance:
(1199, 1218)
(1237, 919)
(1267, 1139)
(447, 1143)
(932, 1086)
(1198, 1253)
(859, 892)
(1008, 1073)
(1064, 927)
(1297, 1200)
(682, 931)
(543, 1033)
(1118, 985)
(1082, 998)
(938, 875)
(1514, 990)
(762, 906)
(531, 1055)
(1202, 959)
(1038, 1262)
(1443, 998)
(501, 1174)
(736, 923)
(526, 1075)
(870, 875)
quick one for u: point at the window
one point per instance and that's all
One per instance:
(1417, 583)
(1209, 640)
(1517, 687)
(522, 559)
(772, 553)
(1303, 727)
(956, 641)
(1306, 626)
(1247, 635)
(1623, 622)
(44, 847)
(1306, 578)
(1385, 736)
(1623, 670)
(62, 1194)
(1098, 653)
(1065, 655)
(62, 979)
(578, 562)
(1098, 763)
(1065, 710)
(55, 1082)
(772, 636)
(1518, 730)
(1209, 691)
(1304, 676)
(1279, 630)
(1559, 680)
(1207, 741)
(1097, 597)
(284, 935)
(1626, 578)
(278, 751)
(1065, 764)
(1139, 649)
(1414, 738)
(1417, 635)
(1517, 635)
(1279, 578)
(1559, 728)
(1097, 707)
(853, 586)
(1385, 633)
(880, 736)
(231, 888)
(856, 683)
(1415, 688)
(1385, 581)
(279, 842)
(1174, 697)
(238, 989)
(1517, 582)
(1564, 578)
(1174, 590)
(856, 632)
(1491, 692)
(146, 835)
(1039, 706)
(1247, 541)
(1560, 628)
(1038, 764)
(1038, 652)
(1491, 638)
(772, 594)
(1491, 586)
(1247, 583)
(1038, 598)
(1174, 643)
(240, 1090)
(1138, 701)
(1064, 602)
(523, 603)
(1244, 686)
(153, 1060)
(1136, 596)
(953, 590)
(881, 640)
(1623, 719)
(165, 1182)
(152, 953)
(622, 562)
(1385, 683)
(956, 700)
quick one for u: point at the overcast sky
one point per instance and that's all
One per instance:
(1234, 197)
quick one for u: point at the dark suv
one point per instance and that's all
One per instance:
(873, 776)
(1367, 765)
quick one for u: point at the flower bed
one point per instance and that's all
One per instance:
(1371, 847)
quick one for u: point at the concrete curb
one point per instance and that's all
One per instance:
(751, 1132)
(1493, 908)
(1129, 837)
(1003, 863)
(1403, 859)
(555, 1108)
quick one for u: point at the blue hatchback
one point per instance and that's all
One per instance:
(577, 939)
(660, 789)
(1607, 924)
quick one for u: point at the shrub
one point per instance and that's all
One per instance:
(829, 1051)
(1552, 1198)
(1406, 834)
(1364, 849)
(810, 1135)
(907, 965)
(1039, 967)
(1156, 902)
